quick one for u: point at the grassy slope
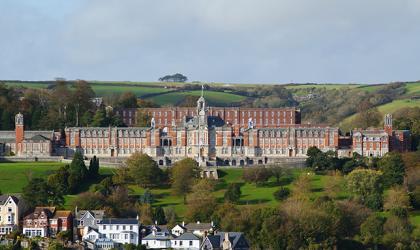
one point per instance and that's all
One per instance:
(211, 96)
(14, 176)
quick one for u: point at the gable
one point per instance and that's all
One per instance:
(87, 215)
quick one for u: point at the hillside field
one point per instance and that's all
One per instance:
(14, 176)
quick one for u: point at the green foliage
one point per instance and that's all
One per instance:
(256, 175)
(94, 167)
(367, 186)
(372, 230)
(320, 161)
(77, 172)
(174, 78)
(233, 193)
(127, 100)
(100, 119)
(184, 173)
(282, 194)
(415, 197)
(38, 193)
(159, 216)
(393, 168)
(144, 170)
(201, 201)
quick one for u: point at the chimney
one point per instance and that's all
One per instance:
(183, 223)
(198, 222)
(156, 222)
(137, 217)
(212, 224)
(226, 236)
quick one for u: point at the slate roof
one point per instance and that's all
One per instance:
(98, 214)
(38, 138)
(158, 236)
(217, 240)
(7, 136)
(187, 236)
(114, 221)
(3, 199)
(198, 226)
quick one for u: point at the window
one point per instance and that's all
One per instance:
(9, 209)
(104, 227)
(191, 243)
(180, 242)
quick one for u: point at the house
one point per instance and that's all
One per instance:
(199, 229)
(37, 223)
(179, 229)
(186, 241)
(225, 241)
(61, 221)
(86, 219)
(11, 209)
(123, 231)
(157, 240)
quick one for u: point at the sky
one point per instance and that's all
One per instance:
(234, 41)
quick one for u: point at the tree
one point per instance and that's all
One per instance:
(94, 167)
(368, 116)
(333, 185)
(312, 154)
(282, 194)
(233, 193)
(366, 186)
(397, 231)
(159, 216)
(77, 172)
(256, 175)
(302, 186)
(81, 98)
(170, 215)
(100, 118)
(144, 170)
(184, 173)
(201, 202)
(145, 212)
(277, 172)
(372, 230)
(127, 100)
(89, 201)
(174, 78)
(36, 193)
(393, 168)
(397, 201)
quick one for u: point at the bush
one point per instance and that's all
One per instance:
(281, 194)
(415, 197)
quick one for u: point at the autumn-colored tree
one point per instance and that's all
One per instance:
(184, 173)
(201, 201)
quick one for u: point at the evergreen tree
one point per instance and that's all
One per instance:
(393, 168)
(233, 192)
(99, 119)
(6, 120)
(159, 216)
(94, 167)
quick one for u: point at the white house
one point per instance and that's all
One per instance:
(10, 211)
(123, 231)
(157, 240)
(186, 241)
(178, 229)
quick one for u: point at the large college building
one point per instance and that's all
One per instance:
(211, 135)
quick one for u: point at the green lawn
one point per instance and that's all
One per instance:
(14, 176)
(413, 88)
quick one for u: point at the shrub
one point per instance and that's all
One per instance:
(282, 194)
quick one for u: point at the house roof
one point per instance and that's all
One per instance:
(62, 213)
(38, 138)
(187, 236)
(198, 226)
(158, 236)
(4, 198)
(49, 211)
(217, 239)
(98, 214)
(113, 221)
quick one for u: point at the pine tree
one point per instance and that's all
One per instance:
(94, 167)
(159, 216)
(6, 121)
